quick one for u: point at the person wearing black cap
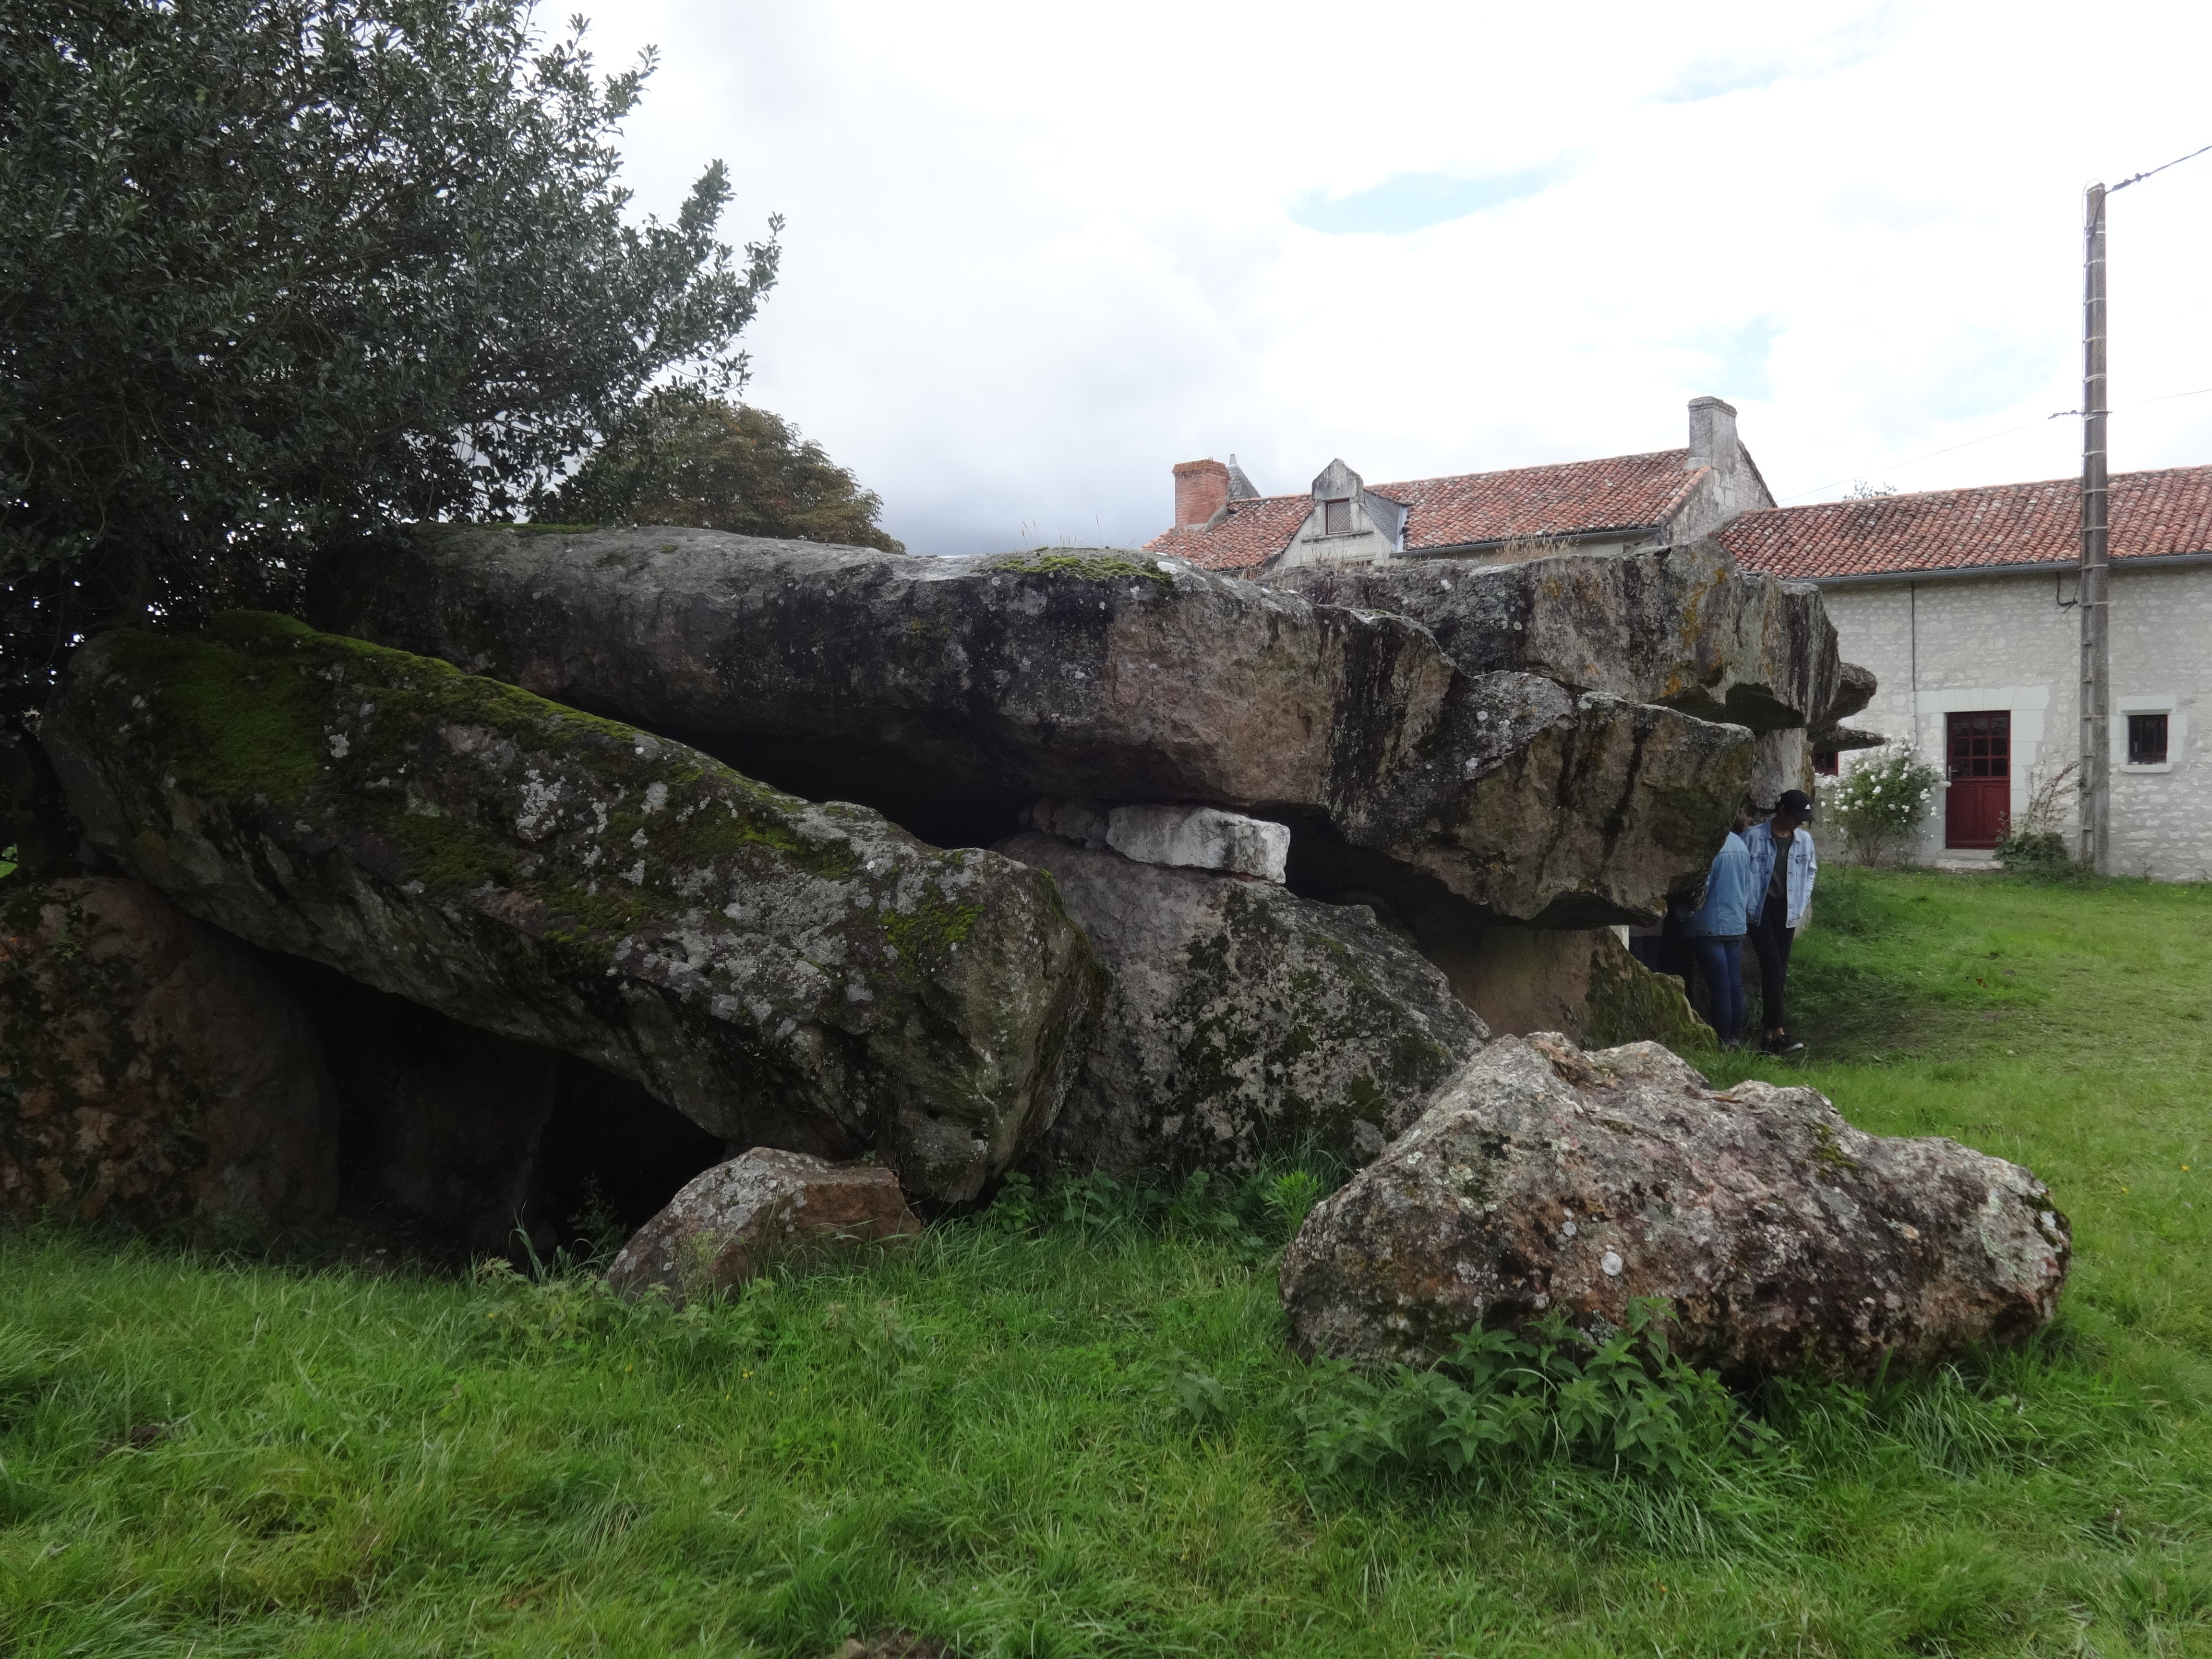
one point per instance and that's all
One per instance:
(1783, 866)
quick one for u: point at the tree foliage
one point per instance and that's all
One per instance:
(682, 458)
(274, 271)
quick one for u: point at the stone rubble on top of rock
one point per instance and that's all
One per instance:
(1545, 1179)
(780, 972)
(949, 693)
(1241, 1020)
(753, 1212)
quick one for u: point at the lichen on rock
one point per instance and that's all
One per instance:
(1543, 1179)
(1242, 1020)
(781, 972)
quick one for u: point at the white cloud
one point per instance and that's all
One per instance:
(1037, 255)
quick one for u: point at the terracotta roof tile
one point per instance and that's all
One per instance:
(1252, 533)
(2152, 513)
(1620, 492)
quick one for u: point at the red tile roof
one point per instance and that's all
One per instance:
(1254, 530)
(1621, 492)
(2152, 513)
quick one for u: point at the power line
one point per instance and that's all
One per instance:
(1988, 437)
(2175, 162)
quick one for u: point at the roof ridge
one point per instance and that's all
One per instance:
(2071, 480)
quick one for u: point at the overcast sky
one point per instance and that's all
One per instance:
(1036, 255)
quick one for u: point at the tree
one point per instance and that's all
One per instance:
(681, 459)
(277, 271)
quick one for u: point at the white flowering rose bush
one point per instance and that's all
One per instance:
(1880, 802)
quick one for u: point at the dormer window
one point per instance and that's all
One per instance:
(1336, 517)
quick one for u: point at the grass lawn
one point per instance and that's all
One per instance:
(1085, 1438)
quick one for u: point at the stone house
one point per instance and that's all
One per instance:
(1961, 602)
(1617, 505)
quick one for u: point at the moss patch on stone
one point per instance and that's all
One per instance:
(261, 708)
(1629, 1003)
(1089, 566)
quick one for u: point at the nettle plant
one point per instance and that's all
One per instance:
(1878, 805)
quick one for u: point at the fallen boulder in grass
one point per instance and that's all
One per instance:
(784, 974)
(1545, 1179)
(745, 1217)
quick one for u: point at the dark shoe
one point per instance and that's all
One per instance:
(1783, 1045)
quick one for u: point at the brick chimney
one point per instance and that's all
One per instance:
(1201, 491)
(1712, 432)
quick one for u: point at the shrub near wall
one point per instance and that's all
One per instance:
(1878, 805)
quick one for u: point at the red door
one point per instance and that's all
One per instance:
(1981, 779)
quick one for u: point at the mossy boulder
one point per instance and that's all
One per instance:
(785, 974)
(1242, 1020)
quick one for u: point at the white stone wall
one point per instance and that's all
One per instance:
(2004, 642)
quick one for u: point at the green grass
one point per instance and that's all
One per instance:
(1087, 1438)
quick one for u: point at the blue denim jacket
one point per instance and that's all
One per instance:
(1804, 866)
(1728, 894)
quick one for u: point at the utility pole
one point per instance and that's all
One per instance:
(2094, 587)
(2091, 588)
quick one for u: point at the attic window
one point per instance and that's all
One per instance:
(1336, 517)
(2146, 739)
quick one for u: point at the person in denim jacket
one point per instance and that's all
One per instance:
(1782, 894)
(1715, 930)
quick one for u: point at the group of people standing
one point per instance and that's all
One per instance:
(1758, 889)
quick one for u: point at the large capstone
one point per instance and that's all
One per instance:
(951, 693)
(152, 1071)
(784, 974)
(1543, 1179)
(1242, 1020)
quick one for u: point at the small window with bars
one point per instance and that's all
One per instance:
(2147, 740)
(1336, 517)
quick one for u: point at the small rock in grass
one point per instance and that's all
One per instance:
(1542, 1177)
(740, 1217)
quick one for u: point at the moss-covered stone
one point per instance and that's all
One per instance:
(1629, 1003)
(1242, 1020)
(784, 973)
(1089, 565)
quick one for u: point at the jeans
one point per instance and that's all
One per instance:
(1771, 937)
(1720, 964)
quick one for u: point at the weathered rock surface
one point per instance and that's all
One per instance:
(1855, 689)
(1783, 1240)
(1242, 1019)
(1678, 625)
(151, 1070)
(1200, 838)
(1582, 982)
(912, 683)
(783, 973)
(950, 693)
(743, 1216)
(1534, 803)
